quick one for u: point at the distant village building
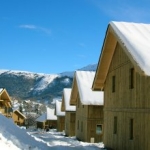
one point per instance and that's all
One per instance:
(51, 121)
(5, 103)
(89, 107)
(40, 121)
(18, 118)
(60, 116)
(47, 120)
(70, 116)
(123, 73)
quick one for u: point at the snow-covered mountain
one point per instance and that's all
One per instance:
(43, 79)
(91, 67)
(37, 86)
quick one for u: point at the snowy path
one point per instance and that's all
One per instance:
(57, 140)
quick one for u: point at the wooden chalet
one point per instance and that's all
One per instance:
(51, 121)
(5, 103)
(69, 110)
(47, 120)
(123, 73)
(18, 118)
(60, 116)
(89, 107)
(40, 121)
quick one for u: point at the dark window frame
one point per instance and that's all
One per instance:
(131, 129)
(115, 124)
(131, 78)
(113, 83)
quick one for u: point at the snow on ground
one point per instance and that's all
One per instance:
(58, 140)
(18, 139)
(14, 138)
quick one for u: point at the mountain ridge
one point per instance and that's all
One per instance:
(37, 86)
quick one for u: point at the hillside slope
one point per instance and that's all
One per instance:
(27, 85)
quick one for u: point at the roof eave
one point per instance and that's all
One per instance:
(110, 41)
(73, 96)
(105, 58)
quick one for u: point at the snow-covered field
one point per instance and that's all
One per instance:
(14, 138)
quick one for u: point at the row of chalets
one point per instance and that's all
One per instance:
(6, 108)
(113, 104)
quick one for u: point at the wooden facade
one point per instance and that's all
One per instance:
(18, 118)
(70, 123)
(60, 116)
(129, 105)
(51, 119)
(46, 124)
(51, 124)
(126, 97)
(89, 116)
(89, 122)
(5, 103)
(40, 125)
(70, 115)
(47, 120)
(40, 121)
(60, 123)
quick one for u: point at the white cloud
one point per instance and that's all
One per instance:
(28, 26)
(34, 27)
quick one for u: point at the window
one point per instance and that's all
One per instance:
(115, 125)
(131, 129)
(99, 129)
(131, 78)
(113, 83)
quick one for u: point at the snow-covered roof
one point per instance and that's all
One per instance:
(1, 89)
(50, 115)
(136, 39)
(42, 118)
(67, 93)
(58, 109)
(87, 95)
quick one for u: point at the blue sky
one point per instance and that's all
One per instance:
(53, 36)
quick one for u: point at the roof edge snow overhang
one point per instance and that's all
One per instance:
(105, 58)
(108, 48)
